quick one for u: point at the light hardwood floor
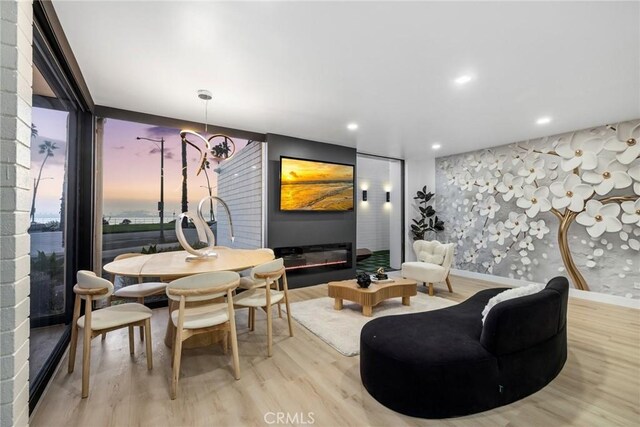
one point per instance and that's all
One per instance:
(599, 385)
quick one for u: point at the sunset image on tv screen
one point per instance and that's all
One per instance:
(306, 185)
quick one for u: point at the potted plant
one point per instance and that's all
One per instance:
(428, 220)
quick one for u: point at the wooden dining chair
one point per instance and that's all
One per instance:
(90, 288)
(138, 292)
(204, 315)
(246, 282)
(259, 294)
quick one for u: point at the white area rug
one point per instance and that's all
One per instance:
(341, 328)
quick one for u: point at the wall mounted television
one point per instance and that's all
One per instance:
(313, 186)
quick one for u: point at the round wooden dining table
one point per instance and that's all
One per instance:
(173, 265)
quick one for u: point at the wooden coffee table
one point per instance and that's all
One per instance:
(373, 295)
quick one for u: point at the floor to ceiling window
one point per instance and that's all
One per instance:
(49, 141)
(149, 177)
(60, 220)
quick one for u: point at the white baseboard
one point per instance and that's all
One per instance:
(575, 293)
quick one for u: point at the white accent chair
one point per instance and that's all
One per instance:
(259, 294)
(138, 291)
(433, 263)
(205, 316)
(90, 288)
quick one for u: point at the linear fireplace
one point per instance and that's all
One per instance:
(315, 258)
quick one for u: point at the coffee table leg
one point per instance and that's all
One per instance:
(367, 310)
(406, 300)
(337, 305)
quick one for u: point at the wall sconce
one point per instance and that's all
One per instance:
(364, 195)
(388, 196)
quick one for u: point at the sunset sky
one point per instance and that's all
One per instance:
(302, 170)
(132, 170)
(131, 176)
(52, 126)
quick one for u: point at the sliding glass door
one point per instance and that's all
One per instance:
(50, 137)
(61, 205)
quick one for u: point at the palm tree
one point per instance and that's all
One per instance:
(34, 130)
(185, 200)
(47, 148)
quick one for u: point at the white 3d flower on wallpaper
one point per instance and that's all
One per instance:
(510, 202)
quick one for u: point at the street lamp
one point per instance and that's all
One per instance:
(161, 203)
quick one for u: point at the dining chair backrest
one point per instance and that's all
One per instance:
(203, 282)
(267, 250)
(88, 280)
(268, 267)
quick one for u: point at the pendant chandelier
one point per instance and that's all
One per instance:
(217, 147)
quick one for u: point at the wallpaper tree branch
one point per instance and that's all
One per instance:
(565, 204)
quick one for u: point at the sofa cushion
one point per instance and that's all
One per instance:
(520, 323)
(447, 335)
(510, 294)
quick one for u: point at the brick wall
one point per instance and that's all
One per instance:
(16, 19)
(240, 185)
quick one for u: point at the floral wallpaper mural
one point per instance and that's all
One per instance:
(561, 205)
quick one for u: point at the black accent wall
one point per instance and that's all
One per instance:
(308, 228)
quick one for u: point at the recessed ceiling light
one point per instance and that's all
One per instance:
(543, 120)
(463, 79)
(436, 146)
(352, 126)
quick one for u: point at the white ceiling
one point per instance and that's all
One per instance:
(307, 69)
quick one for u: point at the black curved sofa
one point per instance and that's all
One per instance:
(445, 363)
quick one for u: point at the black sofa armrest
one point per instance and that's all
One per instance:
(523, 322)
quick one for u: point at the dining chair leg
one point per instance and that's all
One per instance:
(269, 332)
(279, 303)
(234, 352)
(141, 301)
(234, 338)
(147, 328)
(249, 315)
(74, 334)
(253, 319)
(131, 345)
(86, 350)
(86, 362)
(177, 350)
(286, 302)
(225, 342)
(170, 332)
(72, 347)
(449, 284)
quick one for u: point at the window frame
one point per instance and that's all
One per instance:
(49, 58)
